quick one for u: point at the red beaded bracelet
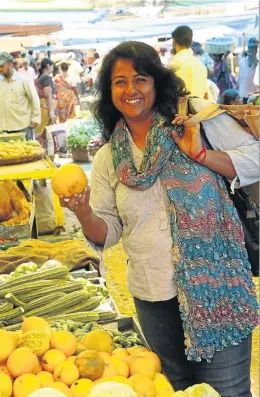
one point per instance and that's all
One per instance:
(202, 152)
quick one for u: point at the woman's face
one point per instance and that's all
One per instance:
(132, 94)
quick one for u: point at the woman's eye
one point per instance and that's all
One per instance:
(141, 79)
(120, 82)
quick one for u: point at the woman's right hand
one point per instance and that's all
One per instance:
(79, 204)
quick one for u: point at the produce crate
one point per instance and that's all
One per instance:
(101, 281)
(86, 272)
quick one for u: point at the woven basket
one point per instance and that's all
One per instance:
(220, 45)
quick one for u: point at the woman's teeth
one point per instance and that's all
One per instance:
(132, 100)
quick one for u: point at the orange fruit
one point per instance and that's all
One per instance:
(46, 378)
(66, 372)
(90, 365)
(143, 386)
(120, 353)
(144, 367)
(26, 384)
(99, 341)
(64, 341)
(52, 358)
(68, 180)
(61, 387)
(6, 386)
(81, 387)
(7, 345)
(36, 324)
(121, 366)
(22, 361)
(150, 356)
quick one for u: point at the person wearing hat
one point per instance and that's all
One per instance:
(247, 71)
(19, 100)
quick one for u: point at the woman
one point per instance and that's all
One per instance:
(221, 75)
(66, 92)
(166, 198)
(46, 92)
(230, 97)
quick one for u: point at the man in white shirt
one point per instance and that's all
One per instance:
(189, 68)
(27, 70)
(75, 71)
(19, 100)
(246, 74)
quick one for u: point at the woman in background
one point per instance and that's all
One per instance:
(230, 97)
(46, 91)
(66, 93)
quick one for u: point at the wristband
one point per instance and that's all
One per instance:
(202, 153)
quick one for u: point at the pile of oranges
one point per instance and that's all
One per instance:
(72, 367)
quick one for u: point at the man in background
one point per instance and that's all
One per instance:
(205, 58)
(189, 68)
(27, 70)
(19, 100)
(75, 71)
(247, 71)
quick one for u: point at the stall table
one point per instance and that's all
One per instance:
(36, 170)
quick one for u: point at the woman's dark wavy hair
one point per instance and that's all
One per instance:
(147, 62)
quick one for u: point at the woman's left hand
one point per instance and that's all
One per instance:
(190, 144)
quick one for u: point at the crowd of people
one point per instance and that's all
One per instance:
(59, 85)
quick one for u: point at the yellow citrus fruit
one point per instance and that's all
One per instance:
(81, 387)
(99, 341)
(6, 386)
(62, 388)
(26, 384)
(162, 384)
(52, 358)
(36, 324)
(64, 341)
(143, 385)
(150, 356)
(46, 378)
(121, 366)
(22, 361)
(68, 180)
(142, 366)
(120, 353)
(117, 378)
(66, 372)
(7, 345)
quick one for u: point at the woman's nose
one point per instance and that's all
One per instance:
(131, 89)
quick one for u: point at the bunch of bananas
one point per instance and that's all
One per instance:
(19, 148)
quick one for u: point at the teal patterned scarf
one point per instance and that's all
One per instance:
(218, 305)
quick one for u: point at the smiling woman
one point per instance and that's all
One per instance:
(188, 268)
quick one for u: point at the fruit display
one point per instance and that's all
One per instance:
(15, 209)
(58, 365)
(68, 180)
(74, 254)
(52, 293)
(20, 151)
